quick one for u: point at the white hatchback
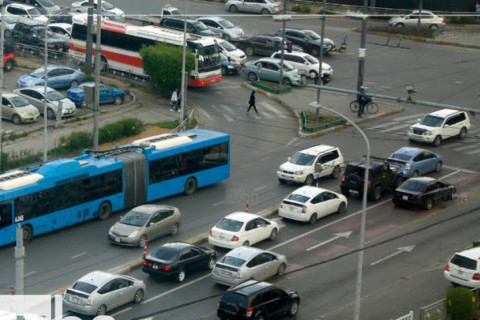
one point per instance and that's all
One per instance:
(242, 229)
(308, 203)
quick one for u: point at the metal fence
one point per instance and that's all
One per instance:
(408, 316)
(434, 311)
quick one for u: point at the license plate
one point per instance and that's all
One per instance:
(225, 273)
(353, 191)
(74, 300)
(405, 197)
(117, 240)
(221, 237)
(155, 267)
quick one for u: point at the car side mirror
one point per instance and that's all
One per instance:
(319, 167)
(150, 224)
(419, 120)
(9, 105)
(446, 126)
(289, 158)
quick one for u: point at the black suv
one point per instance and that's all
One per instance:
(308, 40)
(381, 177)
(30, 35)
(193, 26)
(257, 301)
(264, 45)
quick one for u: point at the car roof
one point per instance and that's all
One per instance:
(245, 253)
(444, 113)
(296, 53)
(39, 89)
(242, 216)
(55, 66)
(98, 278)
(267, 59)
(316, 150)
(151, 208)
(423, 179)
(473, 253)
(411, 151)
(361, 163)
(21, 6)
(178, 18)
(423, 11)
(176, 245)
(213, 18)
(250, 286)
(268, 36)
(309, 191)
(30, 22)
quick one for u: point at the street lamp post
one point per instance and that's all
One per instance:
(98, 58)
(361, 245)
(184, 62)
(2, 40)
(45, 108)
(282, 18)
(320, 66)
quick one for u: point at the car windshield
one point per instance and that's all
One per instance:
(464, 262)
(271, 1)
(233, 261)
(39, 73)
(175, 12)
(431, 121)
(302, 159)
(227, 46)
(54, 96)
(18, 101)
(311, 59)
(298, 197)
(165, 253)
(312, 34)
(107, 5)
(401, 156)
(414, 185)
(229, 224)
(287, 66)
(34, 12)
(200, 26)
(46, 3)
(84, 287)
(135, 218)
(226, 24)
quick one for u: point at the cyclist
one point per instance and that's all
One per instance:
(363, 99)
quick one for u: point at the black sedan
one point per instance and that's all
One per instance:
(177, 259)
(264, 45)
(423, 192)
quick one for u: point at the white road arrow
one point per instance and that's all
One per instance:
(399, 250)
(335, 237)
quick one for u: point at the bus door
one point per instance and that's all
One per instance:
(134, 182)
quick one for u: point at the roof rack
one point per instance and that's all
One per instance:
(113, 152)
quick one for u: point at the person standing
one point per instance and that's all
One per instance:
(174, 101)
(251, 103)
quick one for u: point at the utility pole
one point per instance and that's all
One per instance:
(320, 67)
(19, 263)
(284, 25)
(88, 54)
(184, 62)
(45, 109)
(362, 49)
(420, 7)
(98, 58)
(2, 40)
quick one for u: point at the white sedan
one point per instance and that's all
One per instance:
(82, 6)
(307, 204)
(242, 229)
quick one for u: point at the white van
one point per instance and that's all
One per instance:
(308, 165)
(305, 63)
(464, 268)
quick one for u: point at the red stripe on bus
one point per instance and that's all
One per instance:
(205, 82)
(113, 56)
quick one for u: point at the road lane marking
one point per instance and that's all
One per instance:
(259, 188)
(227, 109)
(335, 237)
(412, 116)
(228, 118)
(218, 203)
(176, 289)
(394, 128)
(121, 311)
(206, 115)
(31, 273)
(78, 255)
(383, 125)
(399, 251)
(473, 152)
(265, 159)
(471, 146)
(289, 143)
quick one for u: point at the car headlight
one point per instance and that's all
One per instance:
(427, 133)
(299, 172)
(410, 129)
(133, 234)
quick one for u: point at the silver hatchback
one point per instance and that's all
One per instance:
(99, 292)
(145, 222)
(254, 6)
(245, 263)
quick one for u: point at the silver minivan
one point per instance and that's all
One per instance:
(254, 6)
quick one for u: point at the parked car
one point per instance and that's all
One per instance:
(229, 66)
(45, 7)
(256, 300)
(59, 77)
(229, 31)
(65, 15)
(412, 162)
(423, 192)
(440, 125)
(381, 177)
(17, 109)
(82, 6)
(108, 94)
(464, 268)
(231, 51)
(242, 229)
(61, 30)
(245, 263)
(193, 26)
(8, 57)
(57, 104)
(168, 10)
(268, 69)
(177, 259)
(307, 204)
(30, 35)
(9, 24)
(309, 164)
(18, 11)
(308, 40)
(306, 64)
(264, 45)
(99, 292)
(254, 6)
(145, 223)
(427, 19)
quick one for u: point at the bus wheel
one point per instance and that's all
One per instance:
(27, 233)
(190, 186)
(104, 211)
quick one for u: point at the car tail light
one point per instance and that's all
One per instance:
(397, 194)
(167, 268)
(413, 197)
(281, 205)
(78, 95)
(444, 21)
(447, 267)
(407, 166)
(276, 7)
(476, 276)
(147, 264)
(249, 312)
(234, 239)
(210, 233)
(304, 209)
(344, 178)
(219, 303)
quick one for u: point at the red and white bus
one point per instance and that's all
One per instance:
(121, 44)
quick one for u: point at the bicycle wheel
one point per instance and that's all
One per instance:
(372, 107)
(354, 106)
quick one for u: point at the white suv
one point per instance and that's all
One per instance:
(305, 63)
(307, 165)
(464, 268)
(440, 125)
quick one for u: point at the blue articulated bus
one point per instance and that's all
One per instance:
(64, 192)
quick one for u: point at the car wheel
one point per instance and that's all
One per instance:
(16, 119)
(8, 34)
(142, 241)
(415, 174)
(102, 310)
(211, 263)
(315, 51)
(74, 84)
(252, 76)
(50, 114)
(341, 208)
(312, 74)
(309, 180)
(8, 65)
(281, 181)
(313, 219)
(399, 26)
(249, 51)
(138, 297)
(437, 142)
(433, 27)
(181, 276)
(462, 134)
(438, 167)
(281, 269)
(265, 11)
(118, 100)
(246, 244)
(104, 211)
(233, 9)
(376, 193)
(83, 104)
(174, 229)
(226, 37)
(335, 173)
(293, 309)
(190, 186)
(273, 234)
(429, 204)
(286, 82)
(27, 233)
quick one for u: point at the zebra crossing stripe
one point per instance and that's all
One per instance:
(383, 125)
(227, 108)
(410, 117)
(394, 128)
(474, 151)
(467, 147)
(268, 106)
(205, 114)
(228, 118)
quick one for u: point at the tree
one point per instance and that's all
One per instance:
(163, 63)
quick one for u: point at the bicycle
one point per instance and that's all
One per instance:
(371, 107)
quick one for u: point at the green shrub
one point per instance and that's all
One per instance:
(168, 124)
(120, 129)
(303, 8)
(460, 304)
(72, 143)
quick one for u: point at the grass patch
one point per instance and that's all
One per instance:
(302, 8)
(168, 124)
(15, 135)
(20, 159)
(322, 119)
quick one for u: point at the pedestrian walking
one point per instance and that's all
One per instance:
(251, 103)
(174, 101)
(363, 100)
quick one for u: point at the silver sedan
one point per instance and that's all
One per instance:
(246, 263)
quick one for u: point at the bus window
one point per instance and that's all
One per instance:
(5, 214)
